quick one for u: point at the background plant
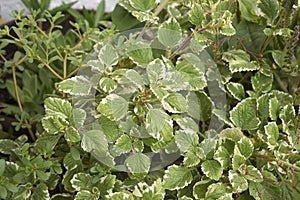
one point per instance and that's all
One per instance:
(256, 154)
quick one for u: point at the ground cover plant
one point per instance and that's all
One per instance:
(170, 100)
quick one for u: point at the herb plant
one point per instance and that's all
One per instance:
(201, 102)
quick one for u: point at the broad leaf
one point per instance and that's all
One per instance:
(236, 90)
(238, 182)
(138, 163)
(58, 107)
(245, 147)
(169, 28)
(143, 5)
(269, 9)
(174, 103)
(107, 85)
(212, 169)
(108, 55)
(222, 156)
(184, 140)
(244, 115)
(94, 140)
(177, 177)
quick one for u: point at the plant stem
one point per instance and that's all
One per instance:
(280, 162)
(18, 97)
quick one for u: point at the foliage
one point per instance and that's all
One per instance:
(146, 119)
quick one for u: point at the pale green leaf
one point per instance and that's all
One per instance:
(199, 106)
(140, 53)
(255, 190)
(58, 107)
(81, 181)
(200, 189)
(196, 14)
(107, 85)
(143, 5)
(94, 140)
(236, 90)
(138, 163)
(233, 134)
(2, 166)
(170, 28)
(109, 128)
(287, 115)
(108, 55)
(269, 9)
(8, 146)
(78, 85)
(251, 173)
(237, 160)
(215, 191)
(212, 169)
(249, 10)
(274, 108)
(187, 124)
(184, 140)
(238, 182)
(222, 156)
(261, 83)
(159, 125)
(192, 157)
(239, 61)
(123, 144)
(244, 115)
(72, 135)
(174, 103)
(54, 124)
(145, 16)
(156, 70)
(177, 177)
(113, 107)
(79, 116)
(135, 78)
(124, 195)
(40, 192)
(245, 147)
(272, 132)
(86, 194)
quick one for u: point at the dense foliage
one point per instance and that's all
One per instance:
(200, 102)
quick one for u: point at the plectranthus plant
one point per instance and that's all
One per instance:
(199, 100)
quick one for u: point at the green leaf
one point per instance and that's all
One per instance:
(8, 146)
(272, 132)
(167, 28)
(184, 140)
(199, 106)
(86, 194)
(248, 10)
(107, 85)
(135, 78)
(177, 177)
(79, 116)
(192, 157)
(140, 53)
(212, 169)
(108, 55)
(274, 108)
(113, 107)
(3, 192)
(2, 167)
(58, 107)
(215, 191)
(81, 181)
(233, 134)
(40, 192)
(123, 144)
(200, 189)
(110, 129)
(255, 191)
(155, 191)
(244, 115)
(138, 163)
(72, 135)
(143, 5)
(251, 173)
(196, 14)
(94, 140)
(174, 103)
(236, 90)
(159, 125)
(156, 70)
(238, 182)
(270, 10)
(106, 184)
(222, 156)
(237, 160)
(239, 61)
(122, 19)
(54, 124)
(77, 85)
(262, 83)
(120, 196)
(287, 114)
(187, 124)
(245, 147)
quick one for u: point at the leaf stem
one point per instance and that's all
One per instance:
(18, 96)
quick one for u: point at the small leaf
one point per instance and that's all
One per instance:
(244, 116)
(123, 144)
(233, 134)
(140, 53)
(272, 132)
(238, 182)
(212, 169)
(239, 61)
(168, 28)
(107, 85)
(81, 181)
(200, 189)
(184, 140)
(120, 196)
(177, 177)
(215, 191)
(222, 156)
(86, 194)
(8, 146)
(248, 10)
(40, 192)
(54, 124)
(245, 147)
(138, 163)
(72, 135)
(196, 14)
(156, 70)
(236, 90)
(108, 55)
(78, 85)
(113, 107)
(135, 78)
(262, 83)
(274, 108)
